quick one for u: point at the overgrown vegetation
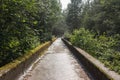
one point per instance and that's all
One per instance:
(96, 29)
(101, 47)
(24, 24)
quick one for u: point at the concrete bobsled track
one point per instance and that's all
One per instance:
(57, 64)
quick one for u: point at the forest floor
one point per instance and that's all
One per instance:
(58, 63)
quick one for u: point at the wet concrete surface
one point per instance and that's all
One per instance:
(57, 64)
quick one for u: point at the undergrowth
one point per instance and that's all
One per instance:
(103, 47)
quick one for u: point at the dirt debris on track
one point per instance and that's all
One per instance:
(57, 64)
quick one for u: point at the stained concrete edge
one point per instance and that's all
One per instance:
(94, 66)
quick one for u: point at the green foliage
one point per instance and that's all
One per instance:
(102, 47)
(24, 24)
(99, 35)
(73, 14)
(101, 16)
(98, 15)
(60, 27)
(84, 39)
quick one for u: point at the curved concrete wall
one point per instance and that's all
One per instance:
(92, 65)
(14, 69)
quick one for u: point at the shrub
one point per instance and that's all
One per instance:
(101, 47)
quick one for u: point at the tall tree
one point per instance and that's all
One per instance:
(73, 17)
(102, 16)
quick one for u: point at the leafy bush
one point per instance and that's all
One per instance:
(101, 47)
(15, 46)
(84, 39)
(24, 24)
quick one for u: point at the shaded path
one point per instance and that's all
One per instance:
(56, 64)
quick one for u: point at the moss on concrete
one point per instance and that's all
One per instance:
(26, 56)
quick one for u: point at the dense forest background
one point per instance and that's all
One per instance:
(93, 25)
